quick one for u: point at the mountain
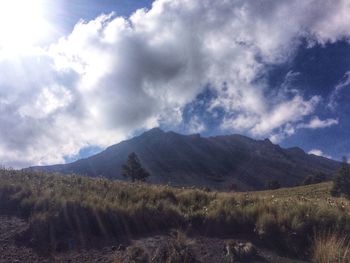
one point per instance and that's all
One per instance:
(215, 162)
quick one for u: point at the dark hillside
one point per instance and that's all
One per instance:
(215, 162)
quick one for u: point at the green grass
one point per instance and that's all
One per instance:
(65, 210)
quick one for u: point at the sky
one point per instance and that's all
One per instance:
(78, 76)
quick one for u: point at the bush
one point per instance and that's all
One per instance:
(176, 249)
(341, 181)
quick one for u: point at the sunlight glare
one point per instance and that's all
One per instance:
(22, 23)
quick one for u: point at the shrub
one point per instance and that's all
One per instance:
(341, 181)
(176, 249)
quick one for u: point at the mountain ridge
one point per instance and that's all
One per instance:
(217, 162)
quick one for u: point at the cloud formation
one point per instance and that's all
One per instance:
(114, 75)
(345, 82)
(316, 123)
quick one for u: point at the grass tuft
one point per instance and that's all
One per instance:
(331, 248)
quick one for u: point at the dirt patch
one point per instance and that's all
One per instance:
(14, 249)
(202, 249)
(170, 247)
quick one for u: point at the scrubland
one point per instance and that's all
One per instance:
(67, 212)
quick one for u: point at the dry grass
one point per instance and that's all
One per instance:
(331, 248)
(74, 208)
(173, 249)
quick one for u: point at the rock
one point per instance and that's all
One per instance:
(239, 250)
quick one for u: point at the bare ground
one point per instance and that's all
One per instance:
(205, 249)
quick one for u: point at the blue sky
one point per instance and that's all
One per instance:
(321, 69)
(72, 11)
(78, 76)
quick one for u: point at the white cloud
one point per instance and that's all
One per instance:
(196, 125)
(113, 75)
(345, 82)
(291, 127)
(316, 123)
(319, 153)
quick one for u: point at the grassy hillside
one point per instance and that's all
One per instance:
(66, 210)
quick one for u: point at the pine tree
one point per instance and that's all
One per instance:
(133, 169)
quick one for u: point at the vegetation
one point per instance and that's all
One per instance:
(331, 248)
(341, 181)
(173, 250)
(133, 169)
(315, 179)
(71, 211)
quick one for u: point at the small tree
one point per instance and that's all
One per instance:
(341, 181)
(133, 169)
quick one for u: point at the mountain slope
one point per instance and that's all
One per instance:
(215, 162)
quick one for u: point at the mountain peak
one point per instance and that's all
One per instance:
(215, 162)
(268, 141)
(296, 150)
(154, 131)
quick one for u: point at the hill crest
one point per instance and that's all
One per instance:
(192, 160)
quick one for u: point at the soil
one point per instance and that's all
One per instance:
(16, 250)
(13, 250)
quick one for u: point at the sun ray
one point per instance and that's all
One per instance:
(22, 23)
